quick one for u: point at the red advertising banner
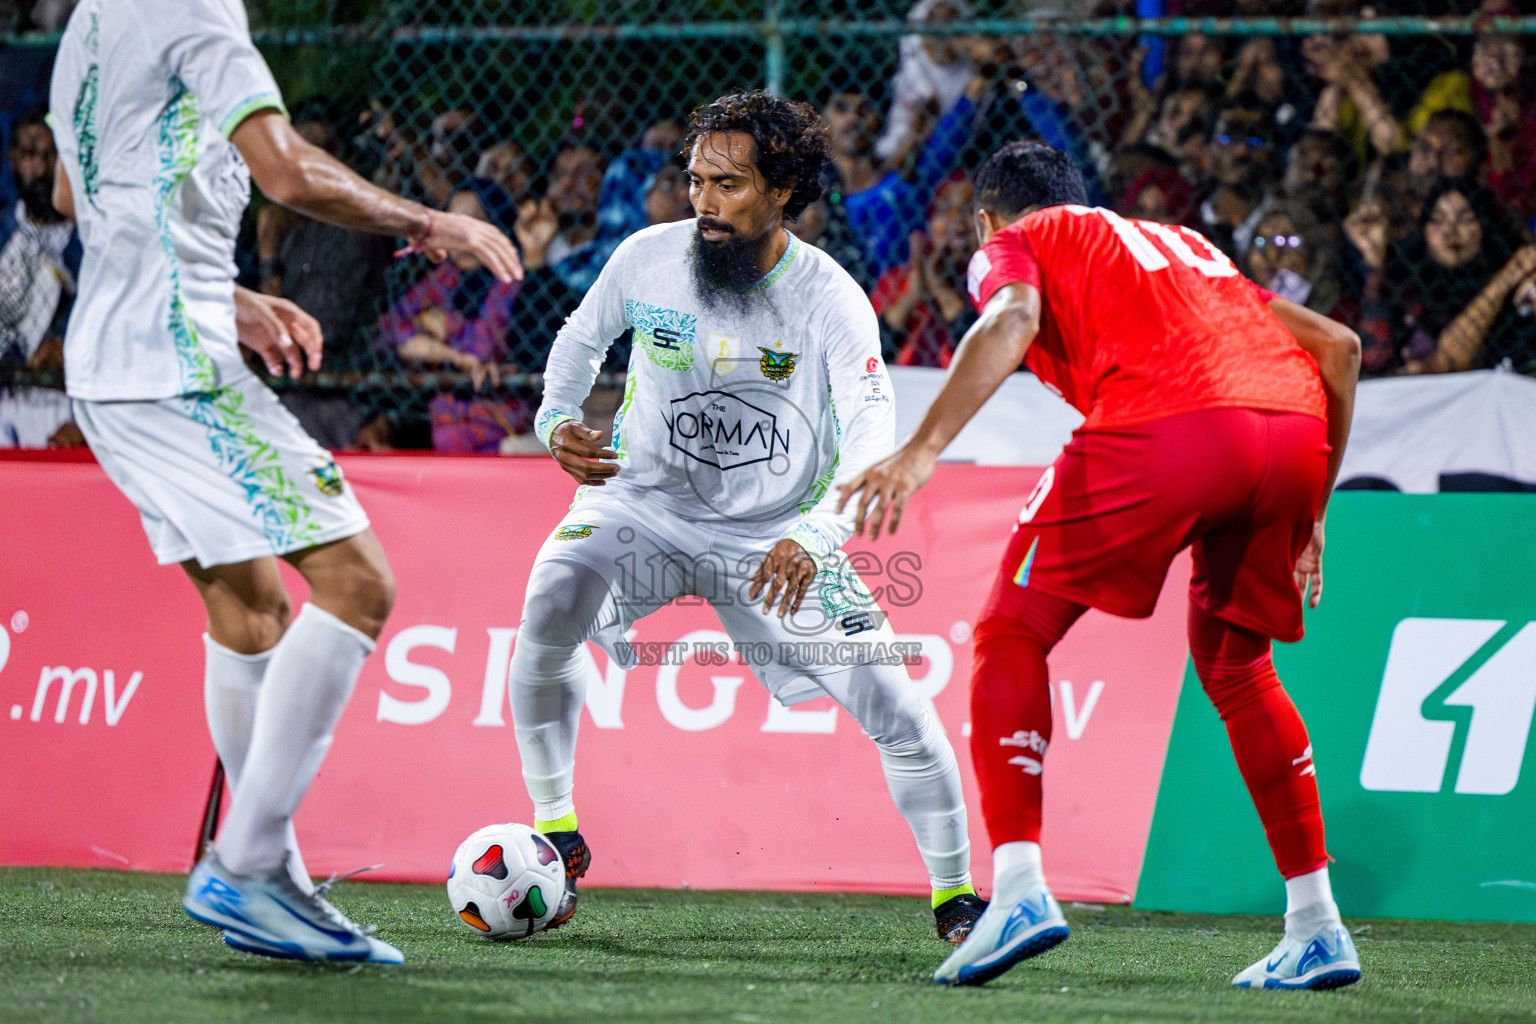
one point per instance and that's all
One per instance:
(686, 775)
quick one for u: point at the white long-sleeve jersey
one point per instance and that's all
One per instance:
(745, 420)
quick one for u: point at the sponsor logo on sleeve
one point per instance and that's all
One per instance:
(664, 335)
(574, 532)
(981, 266)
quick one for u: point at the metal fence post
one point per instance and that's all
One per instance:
(773, 39)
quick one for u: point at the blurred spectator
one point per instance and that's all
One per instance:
(1319, 170)
(450, 153)
(387, 150)
(1504, 97)
(932, 77)
(39, 265)
(1366, 104)
(561, 230)
(1415, 290)
(825, 225)
(1178, 123)
(1293, 256)
(1450, 145)
(1158, 194)
(923, 303)
(622, 197)
(508, 165)
(1239, 168)
(885, 204)
(459, 315)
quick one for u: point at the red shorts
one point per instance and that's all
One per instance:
(1106, 520)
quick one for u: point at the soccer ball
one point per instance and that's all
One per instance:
(506, 881)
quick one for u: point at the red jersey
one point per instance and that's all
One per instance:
(1140, 321)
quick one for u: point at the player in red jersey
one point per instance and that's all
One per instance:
(1216, 417)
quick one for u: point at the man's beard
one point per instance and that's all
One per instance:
(724, 273)
(37, 198)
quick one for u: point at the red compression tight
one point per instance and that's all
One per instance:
(1267, 735)
(1011, 725)
(1011, 712)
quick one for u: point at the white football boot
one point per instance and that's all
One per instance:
(1004, 935)
(270, 915)
(1325, 960)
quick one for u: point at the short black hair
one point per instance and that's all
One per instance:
(1471, 130)
(789, 142)
(1025, 174)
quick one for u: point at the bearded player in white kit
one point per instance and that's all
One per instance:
(163, 113)
(755, 379)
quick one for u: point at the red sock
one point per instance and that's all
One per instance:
(1267, 735)
(1011, 713)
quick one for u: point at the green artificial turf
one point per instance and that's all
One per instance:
(100, 946)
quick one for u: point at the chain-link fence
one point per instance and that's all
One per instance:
(1382, 172)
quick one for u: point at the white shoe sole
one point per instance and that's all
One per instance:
(1044, 936)
(1319, 979)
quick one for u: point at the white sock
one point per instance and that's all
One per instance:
(919, 764)
(308, 681)
(924, 781)
(1309, 905)
(549, 685)
(1016, 871)
(231, 683)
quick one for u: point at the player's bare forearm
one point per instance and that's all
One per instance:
(1337, 351)
(63, 194)
(304, 177)
(989, 353)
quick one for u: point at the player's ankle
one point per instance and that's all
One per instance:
(1309, 904)
(564, 823)
(943, 896)
(1016, 870)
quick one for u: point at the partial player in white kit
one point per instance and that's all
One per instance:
(163, 113)
(754, 380)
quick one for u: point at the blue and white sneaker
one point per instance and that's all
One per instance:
(1004, 935)
(270, 915)
(1326, 960)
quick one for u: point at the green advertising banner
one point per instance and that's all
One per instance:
(1417, 680)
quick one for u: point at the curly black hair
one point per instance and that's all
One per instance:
(789, 142)
(1025, 174)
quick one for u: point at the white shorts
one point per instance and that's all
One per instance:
(222, 477)
(649, 556)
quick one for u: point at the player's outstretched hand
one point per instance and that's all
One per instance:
(1309, 567)
(574, 445)
(285, 337)
(455, 233)
(786, 572)
(884, 488)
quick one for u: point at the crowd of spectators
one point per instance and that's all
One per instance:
(1388, 182)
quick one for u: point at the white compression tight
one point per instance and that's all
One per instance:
(549, 686)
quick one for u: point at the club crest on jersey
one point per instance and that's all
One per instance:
(328, 479)
(579, 532)
(776, 365)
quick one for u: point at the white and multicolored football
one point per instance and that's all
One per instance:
(506, 881)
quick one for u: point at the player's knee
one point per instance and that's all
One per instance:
(252, 625)
(1232, 686)
(562, 604)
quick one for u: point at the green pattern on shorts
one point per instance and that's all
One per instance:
(256, 465)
